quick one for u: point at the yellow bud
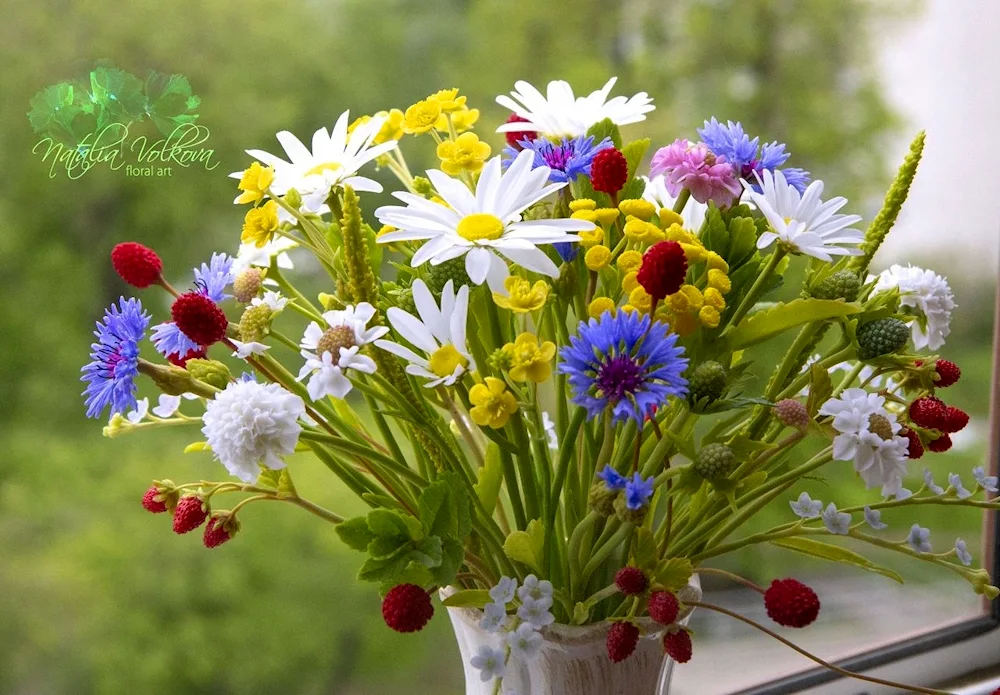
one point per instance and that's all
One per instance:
(675, 232)
(709, 316)
(606, 216)
(640, 299)
(629, 308)
(643, 209)
(719, 280)
(637, 230)
(717, 262)
(629, 282)
(599, 306)
(668, 217)
(695, 253)
(587, 215)
(591, 237)
(597, 257)
(629, 261)
(687, 299)
(684, 324)
(714, 298)
(582, 204)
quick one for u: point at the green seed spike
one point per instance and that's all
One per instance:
(362, 283)
(894, 199)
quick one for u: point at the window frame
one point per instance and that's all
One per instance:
(961, 648)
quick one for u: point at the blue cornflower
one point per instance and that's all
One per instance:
(170, 340)
(746, 155)
(568, 159)
(613, 480)
(566, 250)
(638, 492)
(212, 278)
(624, 363)
(115, 359)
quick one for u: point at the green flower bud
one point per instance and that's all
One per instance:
(210, 371)
(499, 360)
(439, 275)
(601, 499)
(881, 337)
(626, 515)
(423, 186)
(293, 198)
(844, 284)
(567, 284)
(708, 381)
(715, 462)
(255, 323)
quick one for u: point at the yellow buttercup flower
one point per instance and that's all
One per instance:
(606, 216)
(461, 120)
(591, 237)
(630, 281)
(597, 257)
(719, 280)
(392, 128)
(421, 117)
(688, 299)
(717, 262)
(599, 306)
(668, 217)
(359, 121)
(640, 299)
(466, 153)
(714, 298)
(582, 204)
(637, 207)
(629, 261)
(254, 183)
(529, 360)
(492, 403)
(522, 296)
(260, 224)
(449, 100)
(709, 316)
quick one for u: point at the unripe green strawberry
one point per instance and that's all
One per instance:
(844, 284)
(881, 337)
(255, 323)
(715, 461)
(708, 380)
(439, 275)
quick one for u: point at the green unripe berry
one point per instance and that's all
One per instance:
(247, 285)
(708, 381)
(881, 337)
(439, 275)
(211, 372)
(715, 462)
(255, 323)
(843, 284)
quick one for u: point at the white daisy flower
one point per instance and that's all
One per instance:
(656, 193)
(139, 414)
(273, 300)
(559, 113)
(929, 294)
(251, 424)
(494, 616)
(167, 405)
(525, 642)
(801, 221)
(836, 522)
(331, 352)
(489, 662)
(485, 226)
(245, 350)
(873, 517)
(334, 160)
(439, 332)
(251, 255)
(920, 539)
(806, 507)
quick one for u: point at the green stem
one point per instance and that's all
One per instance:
(755, 290)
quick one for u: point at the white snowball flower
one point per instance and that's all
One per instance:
(494, 616)
(250, 424)
(330, 353)
(245, 350)
(559, 113)
(873, 517)
(836, 522)
(536, 611)
(484, 226)
(930, 295)
(806, 507)
(535, 588)
(489, 662)
(882, 462)
(505, 590)
(439, 333)
(962, 552)
(166, 405)
(801, 221)
(525, 642)
(272, 300)
(987, 482)
(920, 539)
(139, 414)
(656, 193)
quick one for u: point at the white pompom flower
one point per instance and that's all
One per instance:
(249, 424)
(931, 297)
(331, 352)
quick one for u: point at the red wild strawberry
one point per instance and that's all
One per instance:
(677, 645)
(948, 373)
(955, 420)
(915, 448)
(609, 171)
(631, 581)
(514, 138)
(407, 608)
(137, 265)
(151, 504)
(941, 444)
(221, 527)
(190, 513)
(791, 603)
(621, 642)
(664, 607)
(928, 411)
(199, 318)
(663, 269)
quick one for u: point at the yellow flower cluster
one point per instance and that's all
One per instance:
(690, 307)
(435, 112)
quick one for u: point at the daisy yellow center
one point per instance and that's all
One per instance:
(325, 166)
(444, 360)
(479, 226)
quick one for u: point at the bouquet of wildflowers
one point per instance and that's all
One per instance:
(534, 366)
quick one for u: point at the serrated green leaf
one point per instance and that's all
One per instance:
(383, 570)
(388, 547)
(355, 533)
(468, 598)
(764, 325)
(834, 553)
(428, 552)
(437, 509)
(644, 550)
(606, 129)
(685, 445)
(527, 546)
(413, 573)
(452, 555)
(118, 96)
(633, 153)
(715, 234)
(490, 478)
(673, 573)
(742, 240)
(384, 522)
(633, 189)
(169, 101)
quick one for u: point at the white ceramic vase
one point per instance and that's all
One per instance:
(573, 660)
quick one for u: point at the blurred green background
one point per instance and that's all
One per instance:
(97, 596)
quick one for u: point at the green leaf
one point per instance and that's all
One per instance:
(468, 598)
(383, 522)
(633, 189)
(452, 556)
(414, 573)
(581, 613)
(527, 546)
(388, 547)
(644, 551)
(606, 129)
(673, 573)
(118, 96)
(169, 101)
(764, 325)
(355, 533)
(428, 552)
(437, 510)
(685, 445)
(490, 478)
(820, 389)
(715, 236)
(633, 153)
(834, 553)
(383, 570)
(742, 240)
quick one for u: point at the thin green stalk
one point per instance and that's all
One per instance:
(755, 290)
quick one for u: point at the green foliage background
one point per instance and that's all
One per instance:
(96, 596)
